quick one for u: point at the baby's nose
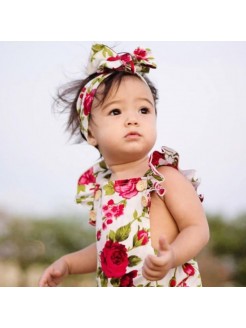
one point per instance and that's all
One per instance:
(132, 120)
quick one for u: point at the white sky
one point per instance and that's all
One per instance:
(201, 114)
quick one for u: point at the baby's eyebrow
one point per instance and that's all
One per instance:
(146, 99)
(113, 102)
(119, 102)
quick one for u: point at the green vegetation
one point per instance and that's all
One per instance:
(228, 242)
(32, 244)
(29, 242)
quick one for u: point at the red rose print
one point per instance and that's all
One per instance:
(111, 211)
(109, 221)
(159, 189)
(108, 215)
(183, 283)
(119, 211)
(113, 58)
(172, 282)
(87, 177)
(156, 158)
(142, 236)
(126, 58)
(124, 61)
(99, 233)
(126, 188)
(97, 187)
(188, 269)
(114, 209)
(140, 54)
(114, 259)
(88, 101)
(127, 279)
(82, 93)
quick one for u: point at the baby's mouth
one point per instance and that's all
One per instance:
(132, 134)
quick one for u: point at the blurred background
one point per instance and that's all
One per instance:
(201, 114)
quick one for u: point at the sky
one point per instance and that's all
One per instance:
(201, 114)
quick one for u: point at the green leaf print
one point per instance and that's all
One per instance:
(135, 215)
(111, 235)
(81, 188)
(102, 164)
(96, 48)
(107, 52)
(99, 271)
(123, 232)
(109, 188)
(145, 211)
(150, 184)
(124, 202)
(115, 282)
(104, 280)
(157, 177)
(136, 241)
(148, 284)
(133, 260)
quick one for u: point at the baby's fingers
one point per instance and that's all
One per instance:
(43, 282)
(150, 274)
(52, 283)
(50, 278)
(154, 262)
(150, 270)
(154, 268)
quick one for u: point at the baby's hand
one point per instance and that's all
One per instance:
(54, 274)
(156, 267)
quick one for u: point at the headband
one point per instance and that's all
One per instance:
(104, 61)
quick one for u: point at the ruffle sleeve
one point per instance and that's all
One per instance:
(88, 188)
(169, 157)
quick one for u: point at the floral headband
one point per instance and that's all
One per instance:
(105, 61)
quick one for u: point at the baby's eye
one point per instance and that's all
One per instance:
(114, 112)
(144, 110)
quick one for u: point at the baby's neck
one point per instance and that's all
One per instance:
(129, 170)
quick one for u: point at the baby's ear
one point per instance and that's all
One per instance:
(91, 139)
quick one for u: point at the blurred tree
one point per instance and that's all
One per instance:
(228, 240)
(42, 241)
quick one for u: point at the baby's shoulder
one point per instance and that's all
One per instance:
(172, 177)
(170, 172)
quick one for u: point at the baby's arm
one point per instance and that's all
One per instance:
(185, 207)
(83, 261)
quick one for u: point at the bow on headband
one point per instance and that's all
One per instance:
(105, 61)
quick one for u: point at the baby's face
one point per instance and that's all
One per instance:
(124, 126)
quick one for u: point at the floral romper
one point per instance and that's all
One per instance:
(120, 212)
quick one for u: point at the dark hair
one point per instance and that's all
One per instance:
(68, 94)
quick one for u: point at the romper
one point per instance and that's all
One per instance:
(120, 212)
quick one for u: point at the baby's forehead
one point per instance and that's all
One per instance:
(128, 85)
